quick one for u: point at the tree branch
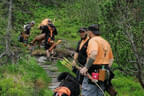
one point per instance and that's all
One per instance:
(3, 54)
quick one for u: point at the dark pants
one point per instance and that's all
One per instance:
(21, 39)
(79, 77)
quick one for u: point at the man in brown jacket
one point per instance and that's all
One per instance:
(100, 57)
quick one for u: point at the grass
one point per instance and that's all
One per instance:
(126, 85)
(22, 78)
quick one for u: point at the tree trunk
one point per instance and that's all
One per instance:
(9, 52)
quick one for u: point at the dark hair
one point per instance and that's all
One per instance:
(94, 28)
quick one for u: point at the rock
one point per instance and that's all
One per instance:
(63, 53)
(53, 69)
(54, 80)
(54, 85)
(42, 59)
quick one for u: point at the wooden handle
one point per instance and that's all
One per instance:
(54, 45)
(88, 75)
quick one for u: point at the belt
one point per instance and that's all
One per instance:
(99, 66)
(94, 67)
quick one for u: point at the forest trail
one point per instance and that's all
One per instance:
(51, 70)
(49, 65)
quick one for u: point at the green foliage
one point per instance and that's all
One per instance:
(18, 79)
(126, 85)
(3, 19)
(62, 68)
(22, 78)
(12, 86)
(47, 93)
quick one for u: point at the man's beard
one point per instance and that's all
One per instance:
(84, 37)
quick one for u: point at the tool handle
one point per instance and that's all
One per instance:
(54, 45)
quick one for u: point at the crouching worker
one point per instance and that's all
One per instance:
(48, 35)
(50, 31)
(49, 38)
(26, 33)
(99, 60)
(44, 27)
(80, 55)
(39, 38)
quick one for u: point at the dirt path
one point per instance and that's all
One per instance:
(51, 70)
(50, 66)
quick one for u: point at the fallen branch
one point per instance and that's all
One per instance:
(3, 54)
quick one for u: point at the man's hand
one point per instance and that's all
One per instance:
(110, 62)
(73, 63)
(83, 71)
(51, 41)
